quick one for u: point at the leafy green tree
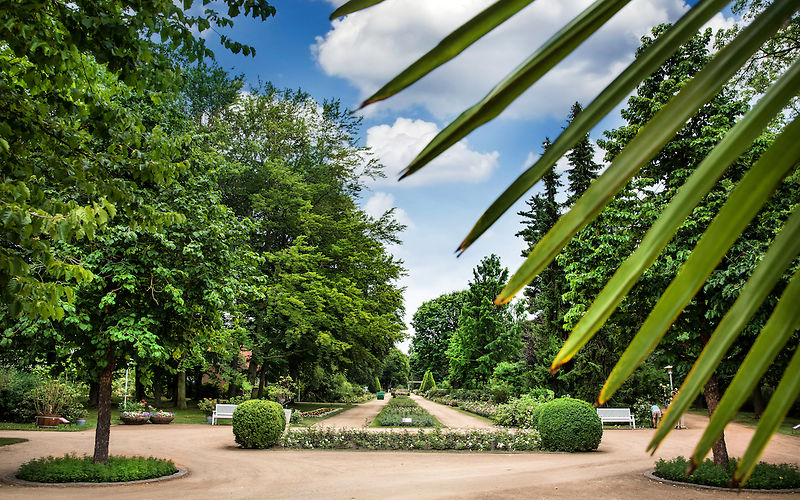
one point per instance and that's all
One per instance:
(65, 124)
(486, 334)
(749, 195)
(395, 369)
(434, 323)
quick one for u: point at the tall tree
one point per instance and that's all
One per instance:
(486, 334)
(434, 323)
(582, 167)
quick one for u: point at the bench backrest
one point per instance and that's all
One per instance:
(614, 412)
(222, 409)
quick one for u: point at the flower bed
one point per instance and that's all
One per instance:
(134, 417)
(474, 440)
(404, 412)
(319, 412)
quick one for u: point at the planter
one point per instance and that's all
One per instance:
(134, 420)
(209, 419)
(161, 419)
(80, 421)
(48, 421)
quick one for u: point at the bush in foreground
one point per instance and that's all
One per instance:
(474, 440)
(258, 423)
(74, 469)
(765, 476)
(569, 424)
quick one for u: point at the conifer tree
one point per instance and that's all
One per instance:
(583, 169)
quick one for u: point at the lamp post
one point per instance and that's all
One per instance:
(669, 370)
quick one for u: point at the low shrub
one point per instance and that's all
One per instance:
(519, 412)
(397, 409)
(258, 423)
(482, 408)
(14, 405)
(568, 424)
(765, 476)
(501, 392)
(643, 413)
(74, 469)
(473, 440)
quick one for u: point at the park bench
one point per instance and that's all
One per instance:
(617, 416)
(222, 411)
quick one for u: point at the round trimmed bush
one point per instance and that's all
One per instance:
(258, 423)
(568, 424)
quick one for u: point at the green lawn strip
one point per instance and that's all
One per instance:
(399, 407)
(306, 406)
(8, 441)
(748, 418)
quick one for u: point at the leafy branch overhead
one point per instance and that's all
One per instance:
(745, 49)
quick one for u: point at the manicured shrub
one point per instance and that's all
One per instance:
(765, 476)
(568, 424)
(74, 469)
(428, 382)
(258, 423)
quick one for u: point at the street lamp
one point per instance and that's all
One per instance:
(669, 370)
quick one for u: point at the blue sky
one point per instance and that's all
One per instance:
(350, 58)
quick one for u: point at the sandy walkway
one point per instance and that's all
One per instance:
(450, 417)
(221, 470)
(359, 416)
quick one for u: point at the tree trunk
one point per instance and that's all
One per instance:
(252, 373)
(158, 388)
(138, 384)
(94, 389)
(758, 402)
(712, 395)
(103, 432)
(261, 380)
(180, 391)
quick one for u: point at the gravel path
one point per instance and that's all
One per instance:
(359, 416)
(450, 417)
(219, 469)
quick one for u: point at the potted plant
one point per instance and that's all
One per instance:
(49, 398)
(207, 406)
(135, 412)
(76, 413)
(161, 417)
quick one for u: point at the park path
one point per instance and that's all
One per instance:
(450, 417)
(356, 417)
(220, 469)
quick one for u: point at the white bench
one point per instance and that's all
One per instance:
(222, 411)
(617, 416)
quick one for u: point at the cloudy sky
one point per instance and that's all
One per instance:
(350, 58)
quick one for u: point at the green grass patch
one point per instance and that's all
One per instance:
(749, 419)
(8, 441)
(74, 469)
(309, 421)
(765, 476)
(400, 408)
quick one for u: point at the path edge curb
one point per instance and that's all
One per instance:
(13, 480)
(650, 474)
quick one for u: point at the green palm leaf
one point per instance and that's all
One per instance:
(766, 275)
(650, 139)
(538, 64)
(779, 328)
(779, 404)
(353, 6)
(689, 195)
(743, 203)
(452, 45)
(647, 62)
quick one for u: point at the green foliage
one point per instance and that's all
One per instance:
(53, 396)
(765, 476)
(521, 412)
(428, 383)
(258, 423)
(398, 408)
(471, 440)
(486, 334)
(434, 323)
(568, 424)
(395, 369)
(74, 469)
(14, 386)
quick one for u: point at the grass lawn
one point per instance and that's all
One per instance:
(408, 408)
(747, 418)
(309, 421)
(8, 441)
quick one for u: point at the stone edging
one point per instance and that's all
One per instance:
(651, 476)
(15, 481)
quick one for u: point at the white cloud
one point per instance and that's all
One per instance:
(368, 48)
(380, 203)
(397, 144)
